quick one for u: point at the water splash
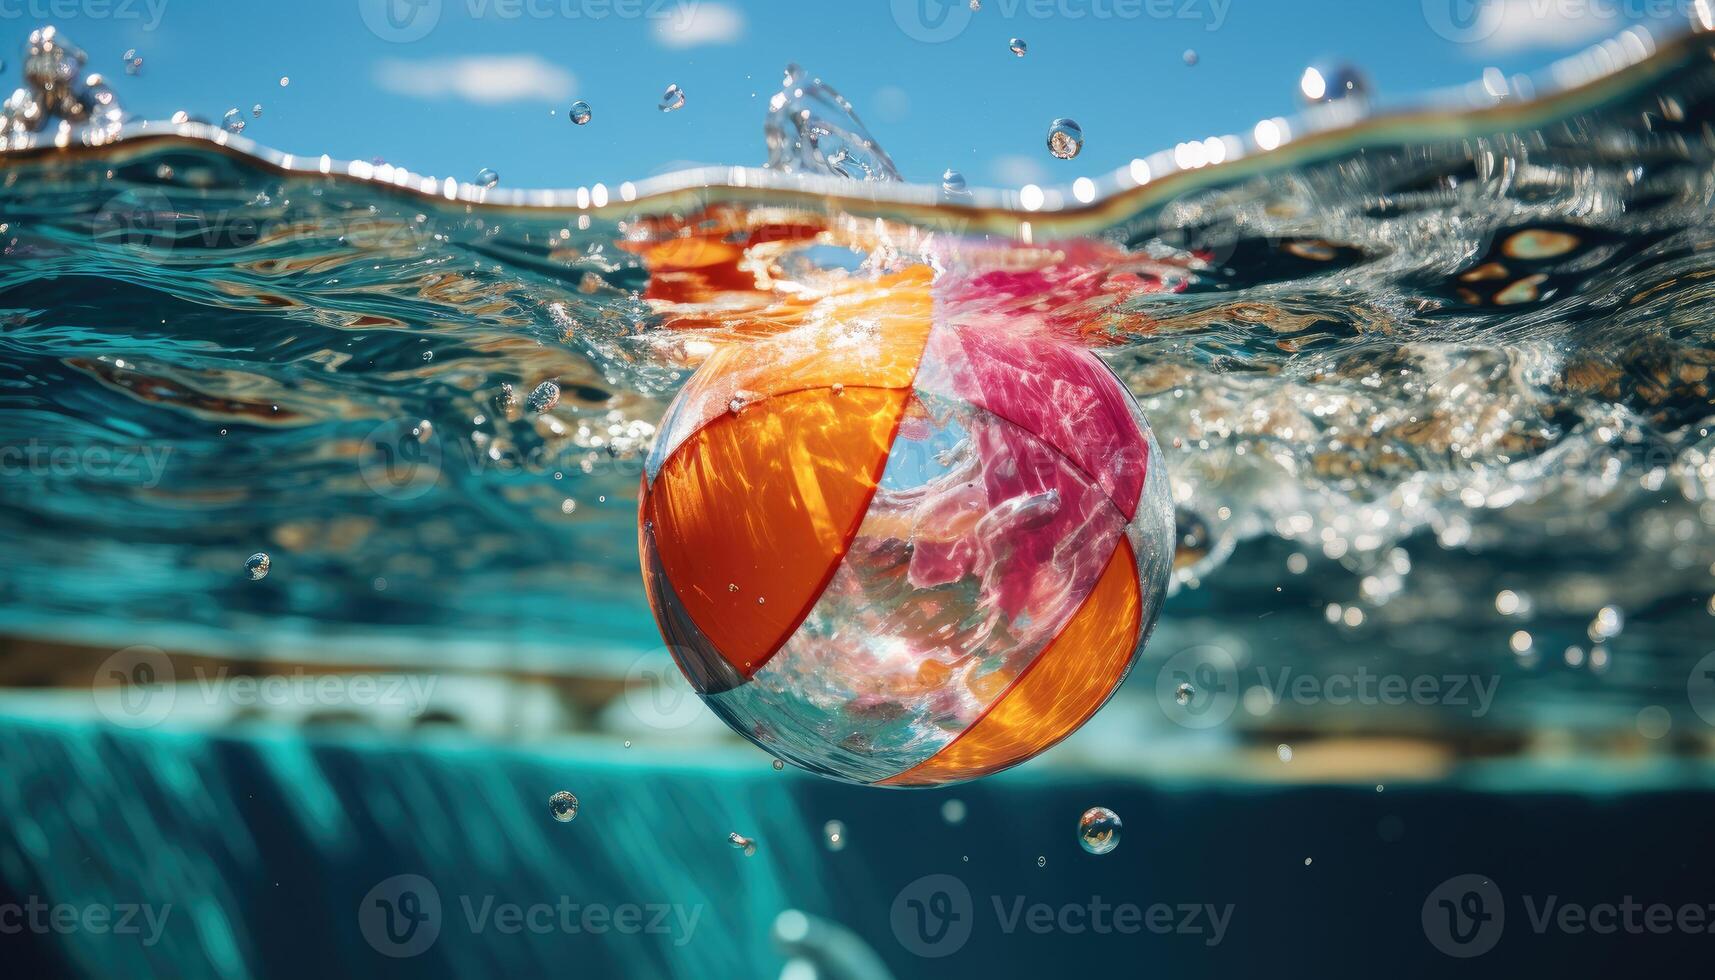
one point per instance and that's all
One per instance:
(812, 129)
(56, 91)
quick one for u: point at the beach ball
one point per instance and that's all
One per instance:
(904, 552)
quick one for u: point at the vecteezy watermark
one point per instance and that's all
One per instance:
(1465, 915)
(402, 917)
(935, 21)
(401, 459)
(139, 466)
(403, 21)
(140, 687)
(657, 693)
(1476, 21)
(934, 916)
(149, 220)
(1700, 688)
(34, 915)
(148, 12)
(1199, 687)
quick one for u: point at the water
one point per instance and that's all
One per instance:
(1396, 372)
(1065, 139)
(564, 806)
(1099, 830)
(579, 113)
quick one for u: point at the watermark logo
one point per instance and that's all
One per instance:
(1700, 688)
(134, 688)
(932, 916)
(1198, 687)
(1464, 916)
(938, 21)
(401, 916)
(657, 693)
(149, 12)
(1463, 21)
(139, 687)
(33, 915)
(400, 21)
(932, 21)
(400, 460)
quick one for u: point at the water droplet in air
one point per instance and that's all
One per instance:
(285, 80)
(564, 806)
(1331, 83)
(233, 121)
(778, 765)
(1018, 46)
(428, 355)
(486, 178)
(1042, 860)
(1283, 752)
(543, 399)
(256, 111)
(1184, 694)
(742, 842)
(133, 62)
(628, 743)
(1099, 830)
(257, 566)
(834, 833)
(579, 113)
(953, 811)
(1065, 139)
(673, 98)
(952, 182)
(1190, 57)
(976, 4)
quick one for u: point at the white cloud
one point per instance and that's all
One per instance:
(697, 23)
(1523, 24)
(488, 79)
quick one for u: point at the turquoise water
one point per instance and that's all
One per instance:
(1435, 397)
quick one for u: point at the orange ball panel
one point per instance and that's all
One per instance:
(1057, 692)
(769, 500)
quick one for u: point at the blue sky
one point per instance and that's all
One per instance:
(448, 87)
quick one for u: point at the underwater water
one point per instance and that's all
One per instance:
(1433, 391)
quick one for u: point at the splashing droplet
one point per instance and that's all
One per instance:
(133, 62)
(1065, 139)
(257, 566)
(486, 178)
(256, 111)
(673, 98)
(579, 113)
(813, 129)
(1331, 83)
(285, 80)
(1099, 830)
(564, 806)
(742, 842)
(834, 833)
(952, 182)
(544, 397)
(233, 121)
(1183, 695)
(1018, 46)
